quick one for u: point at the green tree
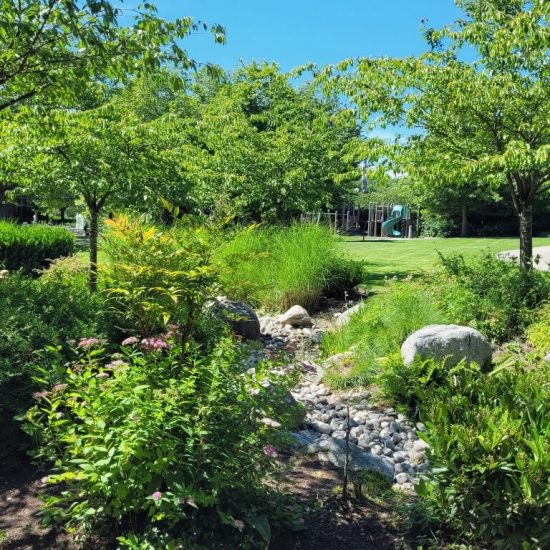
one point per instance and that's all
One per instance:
(266, 150)
(484, 120)
(52, 49)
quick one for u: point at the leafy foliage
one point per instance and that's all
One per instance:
(32, 247)
(489, 448)
(156, 276)
(35, 313)
(165, 439)
(491, 295)
(53, 49)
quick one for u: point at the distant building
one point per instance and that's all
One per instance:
(20, 209)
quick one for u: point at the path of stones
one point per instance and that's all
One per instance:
(380, 440)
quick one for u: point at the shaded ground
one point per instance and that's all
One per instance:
(335, 523)
(20, 505)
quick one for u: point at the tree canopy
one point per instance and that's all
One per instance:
(478, 103)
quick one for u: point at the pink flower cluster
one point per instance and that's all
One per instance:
(154, 344)
(88, 343)
(269, 450)
(130, 341)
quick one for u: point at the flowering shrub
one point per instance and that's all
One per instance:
(153, 441)
(156, 276)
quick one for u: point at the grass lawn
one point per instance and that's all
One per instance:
(399, 257)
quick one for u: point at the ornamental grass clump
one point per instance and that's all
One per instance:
(278, 267)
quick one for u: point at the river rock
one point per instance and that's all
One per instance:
(451, 343)
(296, 316)
(344, 318)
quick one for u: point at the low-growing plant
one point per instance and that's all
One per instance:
(489, 450)
(160, 438)
(33, 247)
(538, 333)
(278, 267)
(494, 296)
(378, 329)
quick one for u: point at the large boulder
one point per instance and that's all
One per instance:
(297, 316)
(239, 316)
(452, 343)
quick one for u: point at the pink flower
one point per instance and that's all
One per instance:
(113, 365)
(130, 341)
(44, 480)
(88, 342)
(102, 375)
(154, 344)
(59, 387)
(40, 394)
(156, 496)
(239, 524)
(270, 451)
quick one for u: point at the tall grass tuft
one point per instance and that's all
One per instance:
(278, 267)
(378, 329)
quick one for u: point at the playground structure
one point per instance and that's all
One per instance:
(376, 220)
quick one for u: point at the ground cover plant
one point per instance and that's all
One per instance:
(278, 267)
(33, 247)
(489, 440)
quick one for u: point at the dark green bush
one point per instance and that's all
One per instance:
(32, 247)
(496, 297)
(435, 225)
(489, 437)
(35, 313)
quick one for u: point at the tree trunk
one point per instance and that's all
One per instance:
(62, 214)
(464, 226)
(525, 212)
(94, 231)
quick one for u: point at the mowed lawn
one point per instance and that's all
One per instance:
(400, 257)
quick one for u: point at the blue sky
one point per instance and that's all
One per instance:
(293, 32)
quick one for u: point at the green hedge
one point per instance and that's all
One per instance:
(30, 247)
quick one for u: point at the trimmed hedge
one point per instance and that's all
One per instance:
(31, 247)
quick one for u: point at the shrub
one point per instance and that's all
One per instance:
(489, 437)
(156, 276)
(161, 439)
(435, 225)
(35, 313)
(280, 267)
(538, 333)
(493, 296)
(379, 329)
(33, 247)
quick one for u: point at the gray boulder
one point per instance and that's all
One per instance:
(345, 317)
(297, 316)
(452, 343)
(333, 450)
(239, 316)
